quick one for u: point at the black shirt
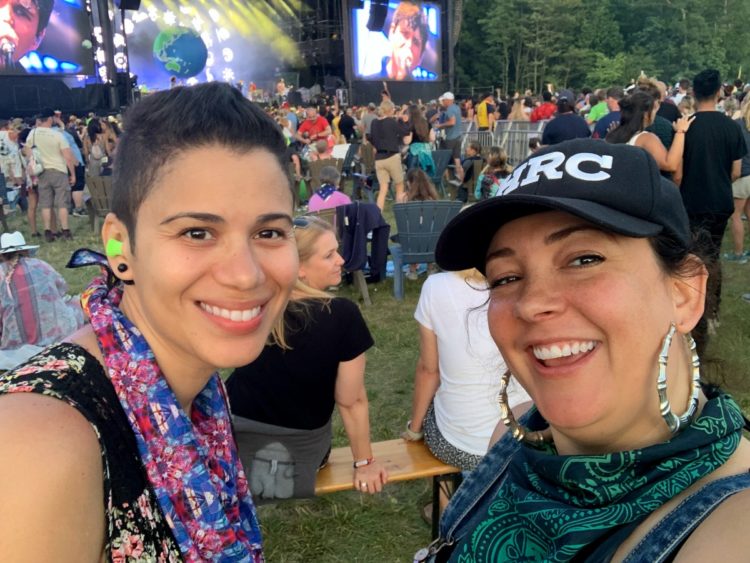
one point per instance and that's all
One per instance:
(564, 127)
(712, 144)
(386, 135)
(295, 388)
(669, 111)
(347, 126)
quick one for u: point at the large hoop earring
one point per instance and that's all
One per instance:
(677, 422)
(519, 433)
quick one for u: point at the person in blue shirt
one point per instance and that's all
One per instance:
(614, 95)
(450, 121)
(76, 190)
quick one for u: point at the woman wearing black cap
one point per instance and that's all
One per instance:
(594, 287)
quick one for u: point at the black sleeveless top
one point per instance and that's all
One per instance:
(135, 525)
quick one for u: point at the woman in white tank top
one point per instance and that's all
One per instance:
(638, 111)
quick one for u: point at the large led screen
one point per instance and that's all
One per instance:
(407, 45)
(204, 40)
(45, 37)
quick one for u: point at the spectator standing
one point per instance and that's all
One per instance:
(367, 119)
(638, 112)
(347, 126)
(484, 115)
(80, 169)
(420, 150)
(58, 176)
(660, 126)
(566, 124)
(614, 95)
(451, 123)
(599, 109)
(11, 163)
(545, 110)
(714, 147)
(387, 135)
(518, 112)
(682, 90)
(667, 108)
(741, 193)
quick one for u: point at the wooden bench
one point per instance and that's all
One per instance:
(403, 460)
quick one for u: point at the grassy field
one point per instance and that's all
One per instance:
(350, 527)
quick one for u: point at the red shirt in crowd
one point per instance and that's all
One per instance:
(544, 111)
(313, 128)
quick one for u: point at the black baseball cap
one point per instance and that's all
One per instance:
(617, 187)
(46, 113)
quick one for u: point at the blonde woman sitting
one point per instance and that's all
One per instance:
(284, 400)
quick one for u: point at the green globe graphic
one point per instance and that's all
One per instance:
(180, 51)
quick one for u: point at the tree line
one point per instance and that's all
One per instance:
(524, 44)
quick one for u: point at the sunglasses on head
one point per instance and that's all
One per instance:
(300, 223)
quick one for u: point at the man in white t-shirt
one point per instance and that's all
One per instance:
(58, 176)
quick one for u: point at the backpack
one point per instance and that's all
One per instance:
(97, 153)
(34, 160)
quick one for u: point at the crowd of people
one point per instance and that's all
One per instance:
(558, 353)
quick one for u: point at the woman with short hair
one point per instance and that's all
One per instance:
(124, 429)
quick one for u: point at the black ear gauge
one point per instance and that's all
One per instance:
(122, 267)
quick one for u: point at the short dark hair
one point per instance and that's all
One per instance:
(162, 125)
(45, 11)
(684, 83)
(615, 93)
(706, 84)
(565, 105)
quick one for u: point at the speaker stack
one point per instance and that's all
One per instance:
(378, 13)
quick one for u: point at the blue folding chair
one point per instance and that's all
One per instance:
(419, 225)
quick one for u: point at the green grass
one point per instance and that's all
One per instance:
(350, 527)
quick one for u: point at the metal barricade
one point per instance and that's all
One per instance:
(514, 137)
(484, 138)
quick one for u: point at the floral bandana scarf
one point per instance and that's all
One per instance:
(560, 507)
(191, 462)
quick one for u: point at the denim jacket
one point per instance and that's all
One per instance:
(470, 502)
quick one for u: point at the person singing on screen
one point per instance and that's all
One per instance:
(408, 36)
(22, 27)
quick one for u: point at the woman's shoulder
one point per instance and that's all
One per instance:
(53, 489)
(344, 304)
(50, 369)
(724, 534)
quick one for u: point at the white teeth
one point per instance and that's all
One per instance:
(232, 315)
(562, 351)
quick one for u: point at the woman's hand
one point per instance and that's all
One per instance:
(683, 124)
(370, 478)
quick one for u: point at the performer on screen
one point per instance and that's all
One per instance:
(408, 35)
(22, 27)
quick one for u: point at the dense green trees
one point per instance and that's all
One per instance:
(519, 44)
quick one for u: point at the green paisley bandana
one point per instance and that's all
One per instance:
(553, 507)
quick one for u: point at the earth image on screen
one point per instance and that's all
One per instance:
(180, 51)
